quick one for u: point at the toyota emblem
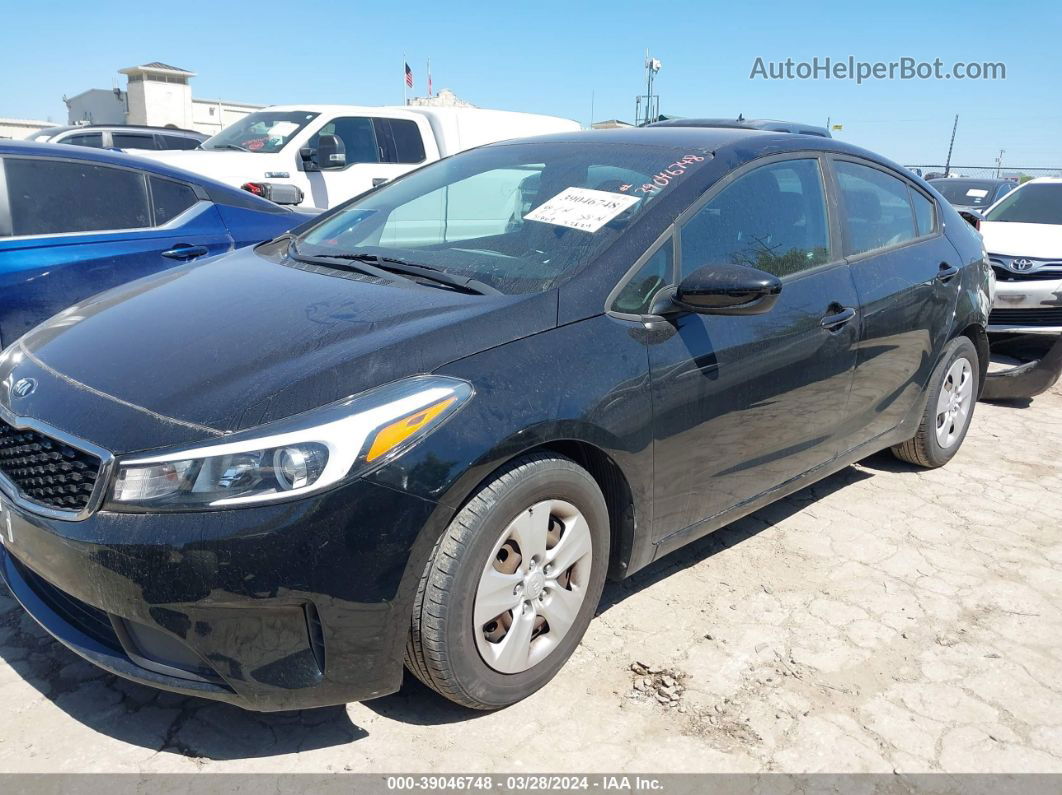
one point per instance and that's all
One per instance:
(1022, 264)
(24, 387)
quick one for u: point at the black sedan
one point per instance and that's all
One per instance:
(969, 193)
(427, 427)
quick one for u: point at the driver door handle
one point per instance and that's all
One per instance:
(184, 251)
(833, 322)
(946, 271)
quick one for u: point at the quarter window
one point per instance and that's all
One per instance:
(924, 213)
(53, 196)
(773, 218)
(878, 209)
(169, 199)
(637, 294)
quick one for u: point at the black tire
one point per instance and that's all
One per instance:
(923, 449)
(442, 650)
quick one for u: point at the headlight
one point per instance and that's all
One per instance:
(292, 457)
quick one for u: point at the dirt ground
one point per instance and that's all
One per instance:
(884, 619)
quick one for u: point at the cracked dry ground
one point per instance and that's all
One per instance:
(885, 619)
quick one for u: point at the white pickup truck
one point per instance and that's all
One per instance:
(335, 152)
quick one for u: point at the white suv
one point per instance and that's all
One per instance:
(1023, 236)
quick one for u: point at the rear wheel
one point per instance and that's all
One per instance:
(511, 585)
(949, 409)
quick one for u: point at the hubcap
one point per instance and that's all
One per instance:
(532, 587)
(954, 403)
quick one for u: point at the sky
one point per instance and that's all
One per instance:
(575, 59)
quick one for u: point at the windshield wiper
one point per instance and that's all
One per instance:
(236, 147)
(420, 271)
(341, 261)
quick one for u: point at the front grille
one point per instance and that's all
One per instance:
(1026, 317)
(1004, 275)
(45, 470)
(84, 617)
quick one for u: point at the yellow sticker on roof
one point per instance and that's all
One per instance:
(581, 208)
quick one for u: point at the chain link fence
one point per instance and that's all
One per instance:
(986, 172)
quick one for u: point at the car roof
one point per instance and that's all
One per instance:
(745, 143)
(774, 125)
(133, 127)
(113, 158)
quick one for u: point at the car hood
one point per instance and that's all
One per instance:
(1042, 241)
(241, 340)
(226, 166)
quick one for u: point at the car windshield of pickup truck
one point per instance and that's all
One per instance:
(519, 218)
(266, 131)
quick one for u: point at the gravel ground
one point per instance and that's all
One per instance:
(884, 619)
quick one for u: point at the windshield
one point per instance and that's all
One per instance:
(519, 218)
(264, 131)
(1034, 203)
(966, 192)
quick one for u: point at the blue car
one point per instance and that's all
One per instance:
(75, 222)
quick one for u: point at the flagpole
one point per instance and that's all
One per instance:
(405, 85)
(429, 78)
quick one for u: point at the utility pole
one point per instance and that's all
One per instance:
(999, 163)
(954, 127)
(652, 66)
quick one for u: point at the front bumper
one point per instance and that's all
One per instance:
(287, 606)
(1027, 307)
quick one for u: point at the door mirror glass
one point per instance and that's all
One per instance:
(331, 152)
(728, 290)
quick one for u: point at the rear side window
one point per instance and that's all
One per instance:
(53, 196)
(400, 141)
(177, 142)
(772, 218)
(95, 140)
(133, 140)
(924, 213)
(877, 206)
(169, 199)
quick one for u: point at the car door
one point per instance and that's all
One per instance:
(905, 274)
(745, 403)
(377, 150)
(75, 228)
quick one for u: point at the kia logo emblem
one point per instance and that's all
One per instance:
(1022, 264)
(24, 387)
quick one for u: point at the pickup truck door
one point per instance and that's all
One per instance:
(378, 149)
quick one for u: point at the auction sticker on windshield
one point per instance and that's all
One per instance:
(581, 208)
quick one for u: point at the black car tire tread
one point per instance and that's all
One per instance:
(922, 449)
(427, 654)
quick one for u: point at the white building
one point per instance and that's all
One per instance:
(158, 95)
(20, 128)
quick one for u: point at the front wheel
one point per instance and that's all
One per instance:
(953, 391)
(512, 584)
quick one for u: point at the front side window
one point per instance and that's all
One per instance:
(1034, 203)
(878, 210)
(357, 135)
(178, 142)
(476, 215)
(772, 218)
(265, 131)
(54, 196)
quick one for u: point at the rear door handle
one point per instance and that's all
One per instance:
(185, 251)
(946, 271)
(836, 320)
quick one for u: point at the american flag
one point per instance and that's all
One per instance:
(409, 76)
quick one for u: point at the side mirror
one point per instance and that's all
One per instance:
(728, 290)
(972, 217)
(331, 152)
(276, 192)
